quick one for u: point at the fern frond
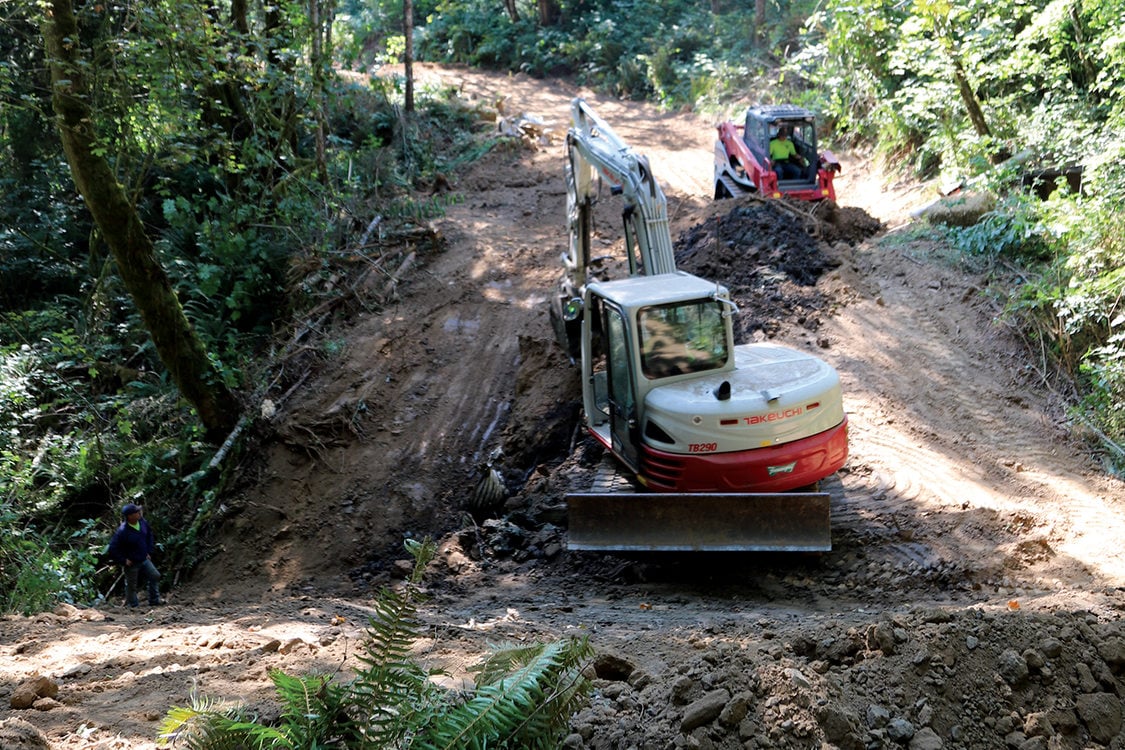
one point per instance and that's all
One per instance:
(211, 725)
(527, 709)
(392, 693)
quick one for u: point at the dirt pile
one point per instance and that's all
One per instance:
(925, 679)
(770, 255)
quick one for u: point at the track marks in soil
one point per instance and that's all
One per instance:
(949, 459)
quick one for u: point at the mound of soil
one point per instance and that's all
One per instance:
(770, 254)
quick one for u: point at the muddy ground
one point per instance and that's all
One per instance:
(972, 598)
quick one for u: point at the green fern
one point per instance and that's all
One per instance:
(209, 724)
(524, 699)
(524, 696)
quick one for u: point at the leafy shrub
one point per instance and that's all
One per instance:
(1013, 231)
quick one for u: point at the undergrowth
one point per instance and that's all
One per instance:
(89, 419)
(522, 698)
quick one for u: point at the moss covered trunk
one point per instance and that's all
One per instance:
(177, 343)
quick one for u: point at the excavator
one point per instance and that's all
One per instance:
(724, 444)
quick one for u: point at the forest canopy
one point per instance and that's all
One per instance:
(182, 181)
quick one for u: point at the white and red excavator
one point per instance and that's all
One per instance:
(744, 164)
(723, 442)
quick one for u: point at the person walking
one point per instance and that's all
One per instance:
(131, 547)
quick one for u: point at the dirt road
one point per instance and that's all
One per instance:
(972, 598)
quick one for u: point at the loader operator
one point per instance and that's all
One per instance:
(787, 162)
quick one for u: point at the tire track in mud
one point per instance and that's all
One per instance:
(951, 465)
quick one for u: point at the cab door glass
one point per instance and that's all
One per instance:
(621, 389)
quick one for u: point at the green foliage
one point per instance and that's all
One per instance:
(1013, 231)
(1073, 305)
(634, 49)
(523, 698)
(39, 569)
(214, 133)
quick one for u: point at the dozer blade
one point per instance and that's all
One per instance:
(691, 522)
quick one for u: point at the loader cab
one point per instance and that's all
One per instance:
(764, 123)
(643, 332)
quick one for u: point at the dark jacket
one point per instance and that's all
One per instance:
(131, 544)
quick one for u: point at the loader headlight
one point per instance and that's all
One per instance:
(572, 310)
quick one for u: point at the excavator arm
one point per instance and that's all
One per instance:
(594, 150)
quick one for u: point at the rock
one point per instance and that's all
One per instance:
(454, 557)
(1101, 713)
(735, 710)
(1038, 724)
(682, 688)
(77, 670)
(900, 730)
(66, 611)
(926, 739)
(799, 680)
(1051, 647)
(881, 637)
(45, 704)
(705, 710)
(17, 734)
(639, 679)
(27, 692)
(1063, 720)
(836, 724)
(1012, 667)
(959, 210)
(877, 717)
(936, 616)
(1035, 659)
(1086, 681)
(1112, 651)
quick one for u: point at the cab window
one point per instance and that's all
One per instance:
(681, 338)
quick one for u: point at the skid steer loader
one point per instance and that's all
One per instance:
(720, 438)
(743, 164)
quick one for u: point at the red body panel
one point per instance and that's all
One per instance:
(757, 470)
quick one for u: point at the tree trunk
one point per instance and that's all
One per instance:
(316, 60)
(549, 12)
(176, 342)
(408, 52)
(513, 12)
(759, 21)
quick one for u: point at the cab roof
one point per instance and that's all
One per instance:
(778, 112)
(642, 291)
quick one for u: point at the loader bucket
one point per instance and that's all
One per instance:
(699, 522)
